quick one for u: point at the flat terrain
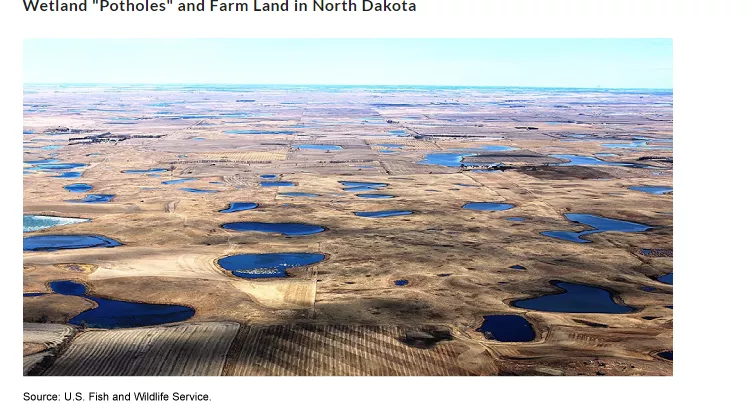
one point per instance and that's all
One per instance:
(345, 315)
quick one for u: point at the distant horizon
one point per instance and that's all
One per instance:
(238, 84)
(557, 63)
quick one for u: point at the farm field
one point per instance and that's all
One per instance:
(270, 230)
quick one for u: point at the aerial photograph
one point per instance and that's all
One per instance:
(347, 207)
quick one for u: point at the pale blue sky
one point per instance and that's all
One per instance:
(608, 63)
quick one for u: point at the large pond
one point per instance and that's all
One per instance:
(575, 298)
(507, 328)
(290, 229)
(446, 159)
(178, 181)
(383, 213)
(490, 206)
(57, 166)
(93, 198)
(361, 186)
(256, 266)
(277, 184)
(599, 223)
(78, 187)
(111, 313)
(454, 159)
(38, 222)
(319, 147)
(652, 189)
(239, 206)
(66, 242)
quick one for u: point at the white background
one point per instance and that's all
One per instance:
(710, 136)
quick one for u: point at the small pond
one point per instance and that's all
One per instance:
(239, 206)
(254, 266)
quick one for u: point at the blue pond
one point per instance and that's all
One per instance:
(277, 184)
(667, 355)
(254, 266)
(78, 187)
(507, 328)
(268, 176)
(652, 189)
(361, 186)
(383, 213)
(66, 242)
(515, 219)
(487, 206)
(518, 267)
(575, 298)
(120, 314)
(454, 159)
(239, 206)
(177, 181)
(68, 288)
(150, 170)
(94, 198)
(59, 166)
(191, 190)
(632, 144)
(298, 194)
(398, 132)
(257, 132)
(400, 282)
(319, 146)
(198, 139)
(375, 196)
(446, 159)
(667, 279)
(599, 223)
(290, 229)
(39, 222)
